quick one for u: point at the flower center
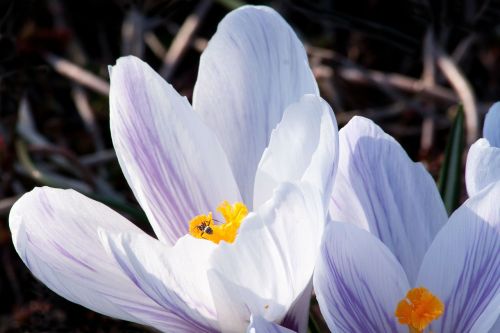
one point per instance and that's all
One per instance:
(419, 309)
(203, 226)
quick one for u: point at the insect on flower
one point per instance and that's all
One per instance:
(204, 227)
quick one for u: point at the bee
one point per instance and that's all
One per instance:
(205, 228)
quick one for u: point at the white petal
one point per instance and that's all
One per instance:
(491, 130)
(174, 277)
(253, 68)
(260, 325)
(482, 167)
(271, 261)
(55, 233)
(358, 281)
(304, 146)
(462, 266)
(171, 160)
(380, 189)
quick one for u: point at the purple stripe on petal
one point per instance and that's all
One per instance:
(148, 262)
(171, 160)
(56, 234)
(358, 281)
(253, 68)
(381, 190)
(462, 266)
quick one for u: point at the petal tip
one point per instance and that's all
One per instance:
(492, 124)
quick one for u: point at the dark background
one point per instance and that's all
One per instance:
(380, 59)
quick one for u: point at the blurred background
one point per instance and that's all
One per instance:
(406, 64)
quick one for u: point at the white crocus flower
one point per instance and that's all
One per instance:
(398, 265)
(259, 140)
(483, 159)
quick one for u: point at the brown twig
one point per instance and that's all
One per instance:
(183, 39)
(78, 74)
(465, 44)
(87, 114)
(463, 89)
(132, 34)
(429, 81)
(155, 44)
(398, 81)
(353, 73)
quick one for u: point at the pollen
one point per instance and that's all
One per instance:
(419, 309)
(204, 226)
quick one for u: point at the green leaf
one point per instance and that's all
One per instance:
(451, 170)
(313, 326)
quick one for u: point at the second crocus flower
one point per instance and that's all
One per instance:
(394, 263)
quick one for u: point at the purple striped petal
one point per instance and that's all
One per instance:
(260, 325)
(380, 189)
(482, 167)
(171, 160)
(491, 130)
(303, 147)
(253, 68)
(174, 277)
(462, 266)
(358, 281)
(55, 233)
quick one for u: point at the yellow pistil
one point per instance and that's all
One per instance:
(419, 309)
(203, 226)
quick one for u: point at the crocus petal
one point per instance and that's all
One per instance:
(483, 166)
(491, 129)
(271, 262)
(358, 281)
(171, 160)
(489, 321)
(303, 147)
(253, 68)
(260, 325)
(55, 233)
(496, 326)
(297, 317)
(462, 266)
(380, 189)
(174, 277)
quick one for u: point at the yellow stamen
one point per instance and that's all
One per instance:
(419, 309)
(202, 226)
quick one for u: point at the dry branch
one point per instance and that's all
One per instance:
(78, 74)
